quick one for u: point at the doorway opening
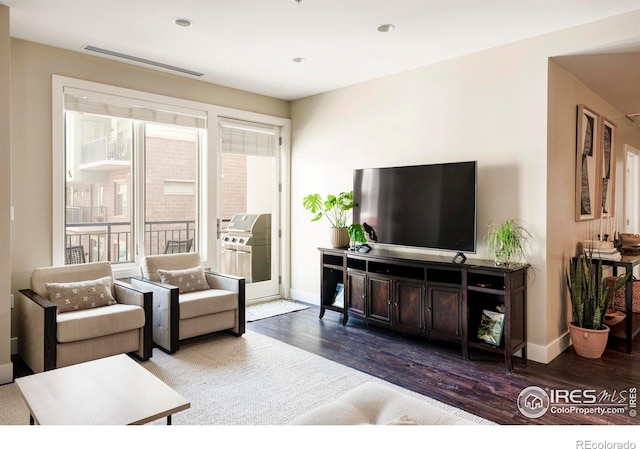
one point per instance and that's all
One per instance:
(249, 206)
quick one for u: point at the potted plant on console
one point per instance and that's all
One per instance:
(337, 209)
(589, 302)
(506, 242)
(357, 237)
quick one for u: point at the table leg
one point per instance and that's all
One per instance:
(31, 420)
(508, 362)
(168, 420)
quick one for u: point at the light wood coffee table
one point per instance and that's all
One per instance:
(114, 390)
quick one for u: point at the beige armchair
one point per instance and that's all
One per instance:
(77, 313)
(189, 301)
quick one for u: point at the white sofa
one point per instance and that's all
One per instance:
(374, 403)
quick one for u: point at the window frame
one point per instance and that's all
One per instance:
(209, 248)
(136, 193)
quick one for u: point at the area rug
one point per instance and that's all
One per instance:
(259, 311)
(251, 380)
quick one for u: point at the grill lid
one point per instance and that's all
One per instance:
(246, 222)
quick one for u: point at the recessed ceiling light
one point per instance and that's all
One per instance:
(387, 27)
(299, 59)
(183, 22)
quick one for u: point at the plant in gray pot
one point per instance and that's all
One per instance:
(337, 210)
(589, 303)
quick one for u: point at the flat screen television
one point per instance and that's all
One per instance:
(429, 206)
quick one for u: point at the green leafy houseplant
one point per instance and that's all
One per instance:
(589, 293)
(336, 208)
(356, 234)
(507, 242)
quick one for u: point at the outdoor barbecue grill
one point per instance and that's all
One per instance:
(246, 247)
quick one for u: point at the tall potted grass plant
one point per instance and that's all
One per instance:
(589, 303)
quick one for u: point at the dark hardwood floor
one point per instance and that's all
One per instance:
(481, 385)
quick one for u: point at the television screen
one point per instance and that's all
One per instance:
(430, 206)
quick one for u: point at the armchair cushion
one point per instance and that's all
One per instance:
(187, 280)
(206, 302)
(92, 323)
(73, 296)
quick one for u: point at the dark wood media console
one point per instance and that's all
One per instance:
(429, 296)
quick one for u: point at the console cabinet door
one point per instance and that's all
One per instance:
(409, 307)
(356, 293)
(444, 317)
(379, 300)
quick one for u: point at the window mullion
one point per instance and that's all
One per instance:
(138, 181)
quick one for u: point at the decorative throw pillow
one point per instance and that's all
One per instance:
(70, 296)
(188, 280)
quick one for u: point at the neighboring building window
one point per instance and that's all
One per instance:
(122, 199)
(179, 188)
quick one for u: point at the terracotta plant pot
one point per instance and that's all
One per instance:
(613, 317)
(589, 343)
(339, 237)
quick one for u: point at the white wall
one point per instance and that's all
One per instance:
(489, 106)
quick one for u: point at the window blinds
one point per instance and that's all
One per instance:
(250, 139)
(78, 100)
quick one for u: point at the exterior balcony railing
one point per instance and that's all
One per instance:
(85, 214)
(113, 242)
(106, 149)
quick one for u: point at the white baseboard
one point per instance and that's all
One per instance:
(545, 354)
(6, 373)
(301, 295)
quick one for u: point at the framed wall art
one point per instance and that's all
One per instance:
(491, 326)
(588, 170)
(608, 175)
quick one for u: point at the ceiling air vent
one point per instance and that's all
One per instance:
(634, 117)
(141, 60)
